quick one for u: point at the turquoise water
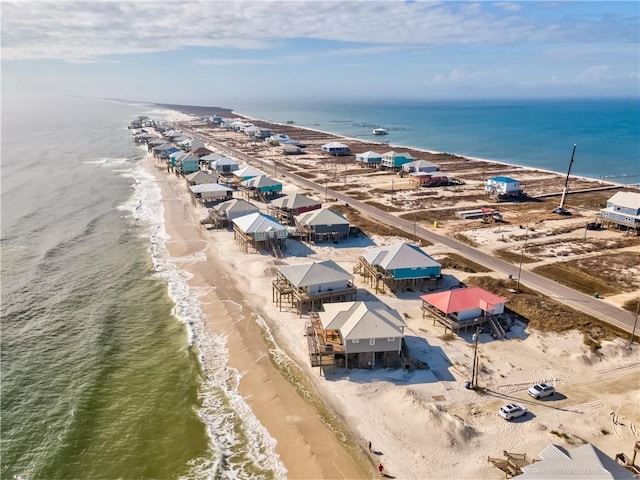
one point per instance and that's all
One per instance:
(533, 133)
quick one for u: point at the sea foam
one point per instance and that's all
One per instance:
(240, 446)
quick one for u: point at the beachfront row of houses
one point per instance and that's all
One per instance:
(340, 329)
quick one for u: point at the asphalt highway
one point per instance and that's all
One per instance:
(595, 307)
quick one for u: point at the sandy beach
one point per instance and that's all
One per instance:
(306, 445)
(422, 423)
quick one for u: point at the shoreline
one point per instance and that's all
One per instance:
(306, 446)
(401, 413)
(189, 110)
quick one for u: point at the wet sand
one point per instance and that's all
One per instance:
(306, 445)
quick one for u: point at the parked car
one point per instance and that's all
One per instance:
(511, 411)
(540, 390)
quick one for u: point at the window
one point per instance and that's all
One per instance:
(391, 339)
(372, 341)
(356, 340)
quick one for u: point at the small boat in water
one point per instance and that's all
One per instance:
(379, 131)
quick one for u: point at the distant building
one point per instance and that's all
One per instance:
(394, 160)
(369, 159)
(503, 188)
(420, 166)
(622, 212)
(336, 149)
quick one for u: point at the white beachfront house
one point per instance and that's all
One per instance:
(260, 231)
(336, 149)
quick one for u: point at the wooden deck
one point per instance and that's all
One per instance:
(512, 463)
(451, 323)
(323, 345)
(282, 291)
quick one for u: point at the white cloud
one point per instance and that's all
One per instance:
(87, 31)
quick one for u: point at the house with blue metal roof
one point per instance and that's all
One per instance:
(503, 188)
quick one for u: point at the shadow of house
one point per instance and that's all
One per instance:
(366, 334)
(464, 308)
(307, 287)
(322, 225)
(399, 266)
(284, 209)
(260, 232)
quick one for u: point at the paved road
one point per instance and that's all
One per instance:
(597, 308)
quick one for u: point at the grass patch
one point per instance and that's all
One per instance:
(383, 207)
(464, 239)
(575, 278)
(513, 257)
(632, 305)
(448, 337)
(458, 262)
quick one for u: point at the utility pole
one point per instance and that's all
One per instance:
(526, 237)
(474, 367)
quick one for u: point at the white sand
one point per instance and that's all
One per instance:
(425, 424)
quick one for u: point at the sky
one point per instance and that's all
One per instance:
(225, 52)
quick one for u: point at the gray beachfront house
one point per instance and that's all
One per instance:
(322, 225)
(363, 334)
(307, 287)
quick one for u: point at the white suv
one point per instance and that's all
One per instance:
(511, 411)
(541, 390)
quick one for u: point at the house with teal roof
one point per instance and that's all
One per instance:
(394, 160)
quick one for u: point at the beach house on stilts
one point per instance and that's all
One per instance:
(464, 308)
(307, 287)
(398, 267)
(366, 334)
(260, 231)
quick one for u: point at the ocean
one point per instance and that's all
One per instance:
(106, 368)
(532, 133)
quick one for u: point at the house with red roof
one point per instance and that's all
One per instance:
(464, 308)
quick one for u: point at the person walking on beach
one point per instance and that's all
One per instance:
(369, 447)
(380, 469)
